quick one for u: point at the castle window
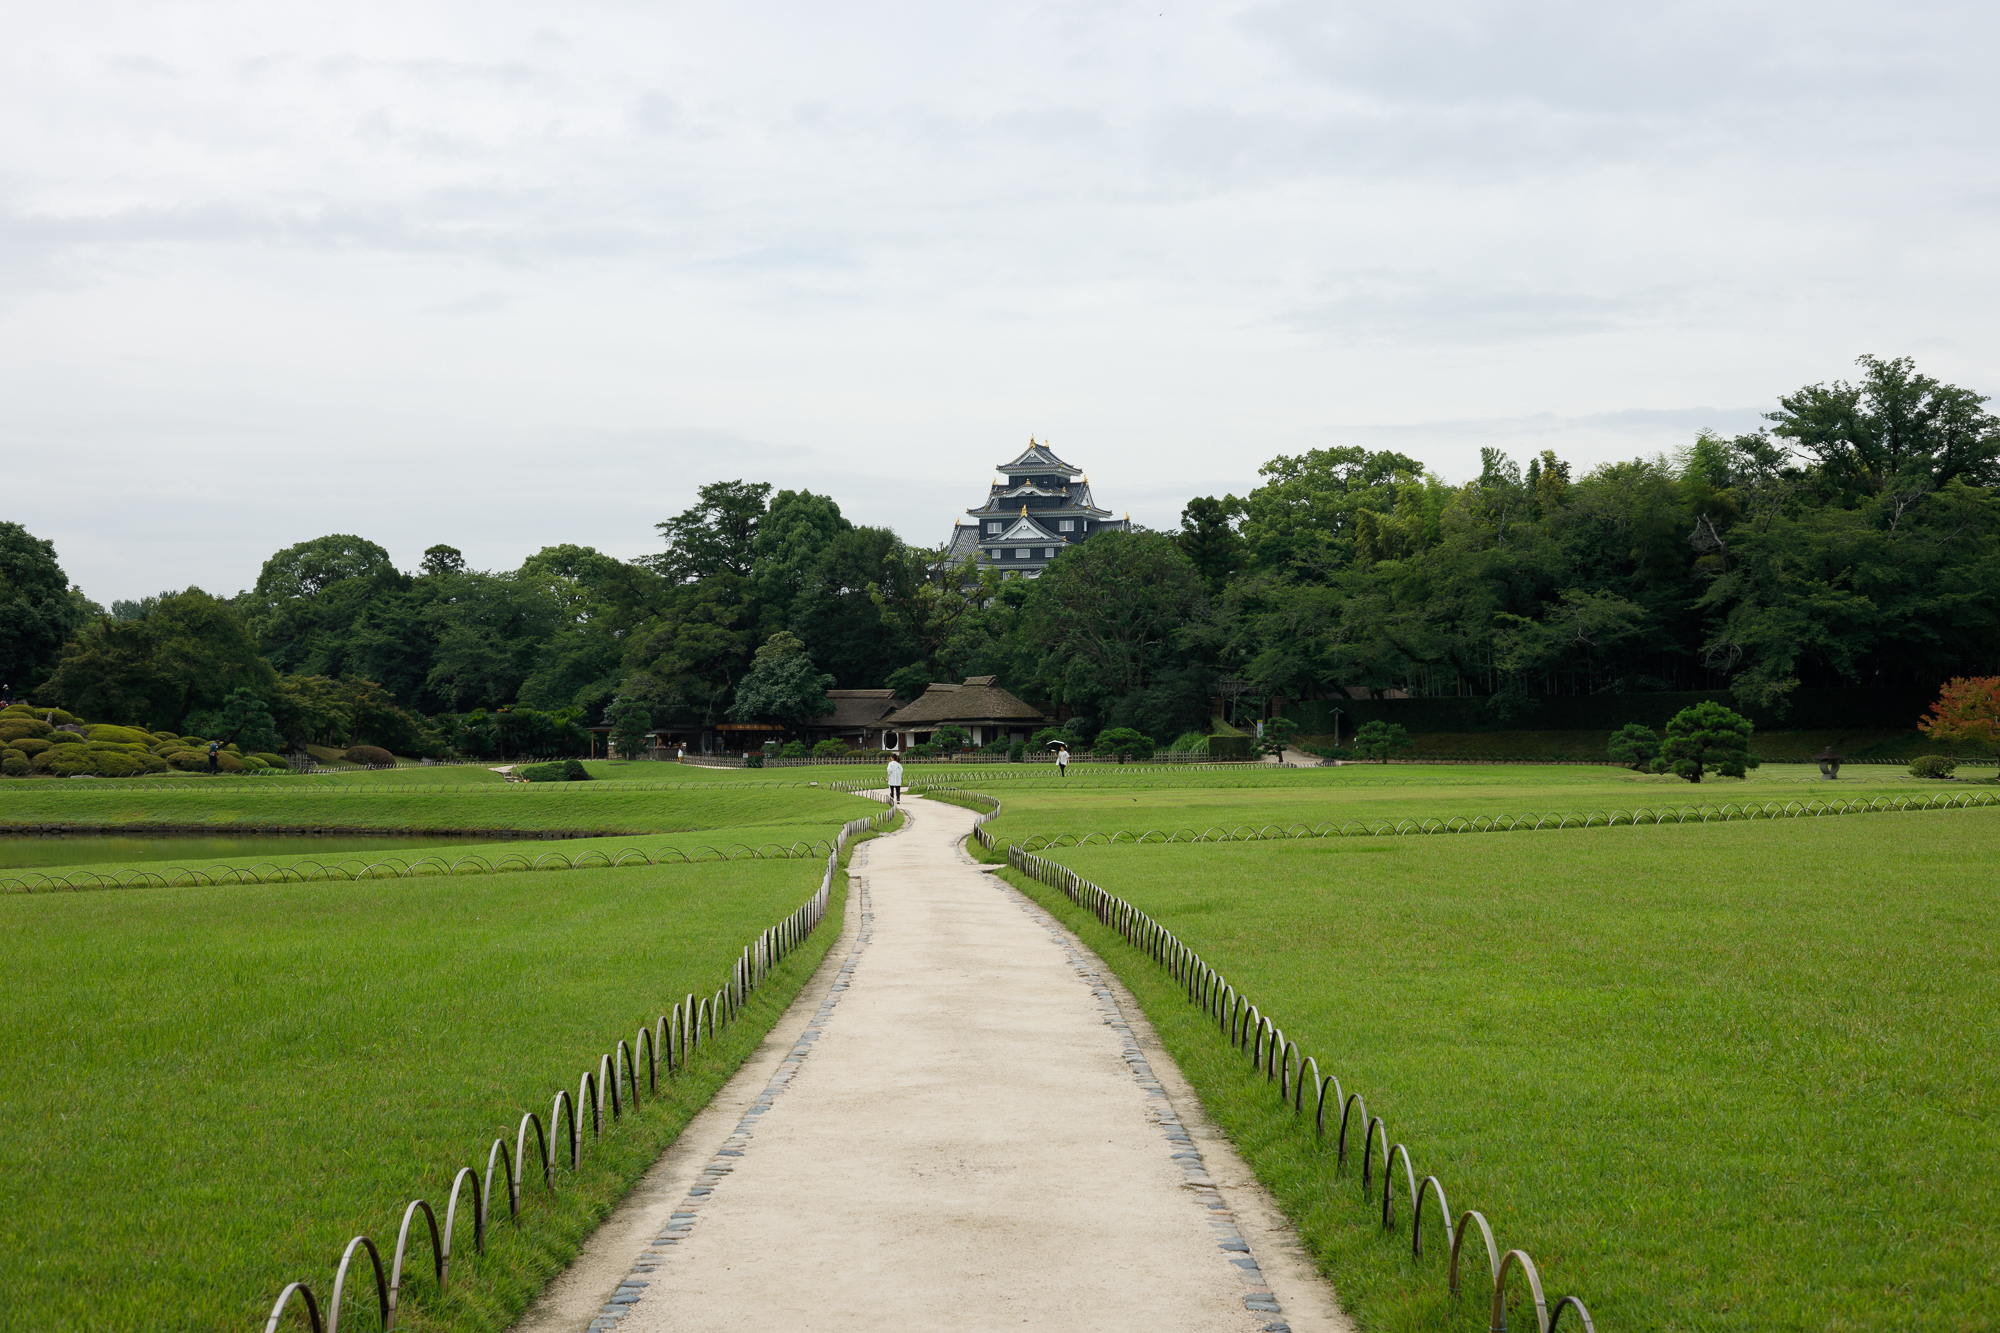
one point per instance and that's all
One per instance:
(1067, 525)
(993, 527)
(1048, 553)
(1020, 553)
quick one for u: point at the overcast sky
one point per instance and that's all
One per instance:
(507, 274)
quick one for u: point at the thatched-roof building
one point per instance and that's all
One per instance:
(858, 717)
(979, 706)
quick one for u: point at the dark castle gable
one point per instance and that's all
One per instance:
(1037, 506)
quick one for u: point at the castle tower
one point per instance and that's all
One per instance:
(1037, 506)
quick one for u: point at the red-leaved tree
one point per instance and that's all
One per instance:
(1968, 712)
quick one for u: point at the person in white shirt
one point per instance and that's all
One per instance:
(895, 781)
(1062, 762)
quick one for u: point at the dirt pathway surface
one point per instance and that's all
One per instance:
(965, 1123)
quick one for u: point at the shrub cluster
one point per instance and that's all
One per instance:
(371, 755)
(1932, 766)
(562, 770)
(55, 743)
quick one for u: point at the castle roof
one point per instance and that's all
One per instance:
(1040, 458)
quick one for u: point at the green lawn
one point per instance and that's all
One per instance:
(1106, 801)
(294, 803)
(209, 1090)
(305, 858)
(1717, 1077)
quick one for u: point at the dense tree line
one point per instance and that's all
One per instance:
(1855, 541)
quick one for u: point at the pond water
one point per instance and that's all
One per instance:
(70, 849)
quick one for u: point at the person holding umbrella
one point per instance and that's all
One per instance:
(1062, 760)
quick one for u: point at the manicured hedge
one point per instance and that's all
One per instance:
(368, 754)
(1807, 710)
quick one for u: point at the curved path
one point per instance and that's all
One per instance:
(963, 1122)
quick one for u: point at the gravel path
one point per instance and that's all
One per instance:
(964, 1122)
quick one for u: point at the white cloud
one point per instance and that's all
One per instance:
(506, 274)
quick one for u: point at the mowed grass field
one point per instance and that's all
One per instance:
(1109, 800)
(209, 1090)
(381, 800)
(1716, 1077)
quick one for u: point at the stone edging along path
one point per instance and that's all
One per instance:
(957, 1132)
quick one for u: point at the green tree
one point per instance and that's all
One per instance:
(242, 718)
(950, 740)
(1304, 517)
(38, 611)
(1208, 538)
(631, 725)
(1703, 738)
(782, 685)
(833, 611)
(1105, 620)
(188, 654)
(1635, 746)
(911, 681)
(1278, 733)
(1124, 743)
(1381, 741)
(922, 598)
(1895, 430)
(718, 535)
(793, 539)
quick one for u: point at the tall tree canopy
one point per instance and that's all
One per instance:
(38, 611)
(188, 654)
(1855, 542)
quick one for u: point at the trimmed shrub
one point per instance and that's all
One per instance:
(754, 760)
(1932, 766)
(1381, 741)
(562, 770)
(61, 737)
(160, 736)
(1125, 743)
(15, 764)
(1703, 738)
(252, 764)
(19, 726)
(29, 746)
(831, 748)
(273, 760)
(196, 761)
(1189, 742)
(68, 761)
(794, 750)
(1238, 746)
(1635, 746)
(370, 755)
(1017, 753)
(104, 731)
